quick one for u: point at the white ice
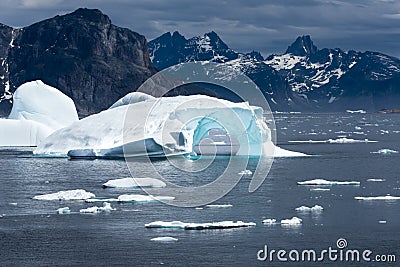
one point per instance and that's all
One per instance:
(157, 123)
(375, 180)
(134, 182)
(320, 189)
(269, 221)
(38, 110)
(342, 140)
(131, 98)
(360, 111)
(199, 226)
(167, 239)
(326, 182)
(219, 206)
(292, 221)
(245, 172)
(78, 194)
(143, 198)
(386, 151)
(316, 209)
(388, 197)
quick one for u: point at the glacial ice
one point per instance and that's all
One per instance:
(326, 182)
(164, 126)
(292, 221)
(316, 208)
(388, 197)
(199, 226)
(134, 182)
(38, 110)
(131, 98)
(78, 194)
(167, 239)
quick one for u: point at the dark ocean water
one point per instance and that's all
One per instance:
(32, 234)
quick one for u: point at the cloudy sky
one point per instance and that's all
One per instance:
(268, 26)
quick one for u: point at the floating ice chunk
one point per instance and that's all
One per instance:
(106, 208)
(385, 151)
(167, 239)
(199, 226)
(388, 197)
(316, 208)
(143, 198)
(383, 222)
(320, 189)
(269, 221)
(64, 210)
(245, 172)
(78, 194)
(292, 221)
(360, 111)
(94, 200)
(375, 180)
(328, 183)
(134, 182)
(219, 206)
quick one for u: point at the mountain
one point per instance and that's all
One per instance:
(82, 53)
(303, 78)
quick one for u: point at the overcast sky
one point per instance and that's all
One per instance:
(268, 26)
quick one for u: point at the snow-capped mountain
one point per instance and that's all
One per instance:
(303, 78)
(82, 53)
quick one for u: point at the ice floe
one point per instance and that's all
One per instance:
(316, 208)
(375, 180)
(327, 183)
(132, 198)
(77, 194)
(219, 206)
(134, 182)
(199, 226)
(292, 221)
(167, 239)
(106, 208)
(385, 151)
(388, 197)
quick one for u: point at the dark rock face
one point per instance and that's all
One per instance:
(83, 54)
(304, 78)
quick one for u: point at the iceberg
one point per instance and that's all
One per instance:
(328, 183)
(316, 208)
(387, 198)
(158, 127)
(199, 226)
(134, 182)
(38, 110)
(292, 221)
(167, 239)
(78, 194)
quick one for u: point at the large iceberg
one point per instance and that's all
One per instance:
(38, 110)
(165, 126)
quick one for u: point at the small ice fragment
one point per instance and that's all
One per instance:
(269, 221)
(320, 189)
(316, 208)
(199, 208)
(385, 151)
(292, 221)
(360, 111)
(13, 204)
(378, 198)
(64, 210)
(134, 182)
(106, 208)
(143, 198)
(328, 183)
(219, 206)
(375, 180)
(78, 194)
(245, 172)
(382, 221)
(94, 209)
(167, 239)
